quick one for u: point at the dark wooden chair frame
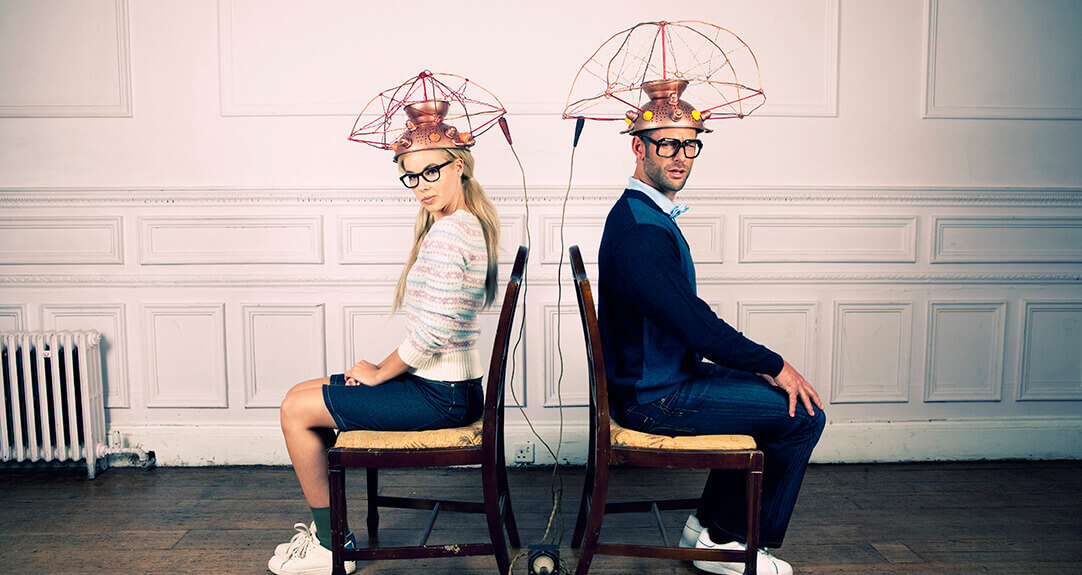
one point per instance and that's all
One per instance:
(602, 455)
(490, 455)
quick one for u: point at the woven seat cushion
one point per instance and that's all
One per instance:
(623, 437)
(469, 436)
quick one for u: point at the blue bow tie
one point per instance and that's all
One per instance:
(676, 211)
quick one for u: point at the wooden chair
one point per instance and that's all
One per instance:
(481, 443)
(612, 445)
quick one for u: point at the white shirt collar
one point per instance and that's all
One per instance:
(659, 198)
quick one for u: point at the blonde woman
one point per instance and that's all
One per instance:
(432, 379)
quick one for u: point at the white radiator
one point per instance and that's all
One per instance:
(53, 409)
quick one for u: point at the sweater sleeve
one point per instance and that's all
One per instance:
(649, 274)
(442, 259)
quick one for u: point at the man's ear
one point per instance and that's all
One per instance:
(637, 147)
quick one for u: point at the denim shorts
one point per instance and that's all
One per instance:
(405, 403)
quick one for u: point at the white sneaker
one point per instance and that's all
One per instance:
(302, 533)
(766, 564)
(692, 529)
(305, 556)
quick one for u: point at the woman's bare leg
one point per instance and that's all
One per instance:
(308, 430)
(311, 383)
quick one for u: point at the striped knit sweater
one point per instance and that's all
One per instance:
(445, 289)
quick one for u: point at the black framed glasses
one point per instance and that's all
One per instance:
(668, 147)
(430, 174)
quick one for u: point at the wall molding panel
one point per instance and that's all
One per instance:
(572, 389)
(111, 321)
(62, 60)
(705, 236)
(387, 239)
(965, 351)
(61, 240)
(788, 328)
(231, 240)
(1051, 367)
(866, 239)
(871, 356)
(583, 231)
(512, 235)
(174, 335)
(11, 318)
(1007, 240)
(283, 345)
(825, 102)
(375, 239)
(804, 84)
(1036, 40)
(360, 320)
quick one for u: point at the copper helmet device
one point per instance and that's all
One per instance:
(665, 109)
(652, 66)
(429, 111)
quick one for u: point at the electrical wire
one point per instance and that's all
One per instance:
(522, 324)
(556, 481)
(557, 491)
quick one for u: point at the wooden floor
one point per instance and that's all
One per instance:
(950, 518)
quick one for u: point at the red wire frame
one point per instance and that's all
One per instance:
(669, 68)
(381, 132)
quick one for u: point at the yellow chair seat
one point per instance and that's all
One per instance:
(623, 437)
(469, 436)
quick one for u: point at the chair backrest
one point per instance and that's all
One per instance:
(493, 417)
(599, 396)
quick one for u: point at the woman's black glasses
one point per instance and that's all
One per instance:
(667, 147)
(430, 174)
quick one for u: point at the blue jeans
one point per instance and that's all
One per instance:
(718, 400)
(405, 403)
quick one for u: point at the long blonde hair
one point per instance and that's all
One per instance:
(479, 204)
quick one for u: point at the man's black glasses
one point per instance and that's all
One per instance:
(668, 147)
(430, 174)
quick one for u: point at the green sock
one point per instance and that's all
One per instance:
(322, 518)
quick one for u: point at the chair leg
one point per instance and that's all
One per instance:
(337, 480)
(584, 508)
(597, 513)
(508, 512)
(490, 487)
(373, 507)
(754, 497)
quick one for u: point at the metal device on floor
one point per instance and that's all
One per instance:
(544, 560)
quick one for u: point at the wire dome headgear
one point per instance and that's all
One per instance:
(422, 112)
(650, 66)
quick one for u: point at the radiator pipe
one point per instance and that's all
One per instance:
(146, 458)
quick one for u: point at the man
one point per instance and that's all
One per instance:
(656, 331)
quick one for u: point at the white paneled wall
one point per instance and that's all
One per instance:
(63, 58)
(902, 221)
(973, 44)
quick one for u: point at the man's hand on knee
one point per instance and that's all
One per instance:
(796, 386)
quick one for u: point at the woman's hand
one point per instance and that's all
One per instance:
(363, 373)
(797, 387)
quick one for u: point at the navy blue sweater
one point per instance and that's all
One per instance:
(655, 329)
